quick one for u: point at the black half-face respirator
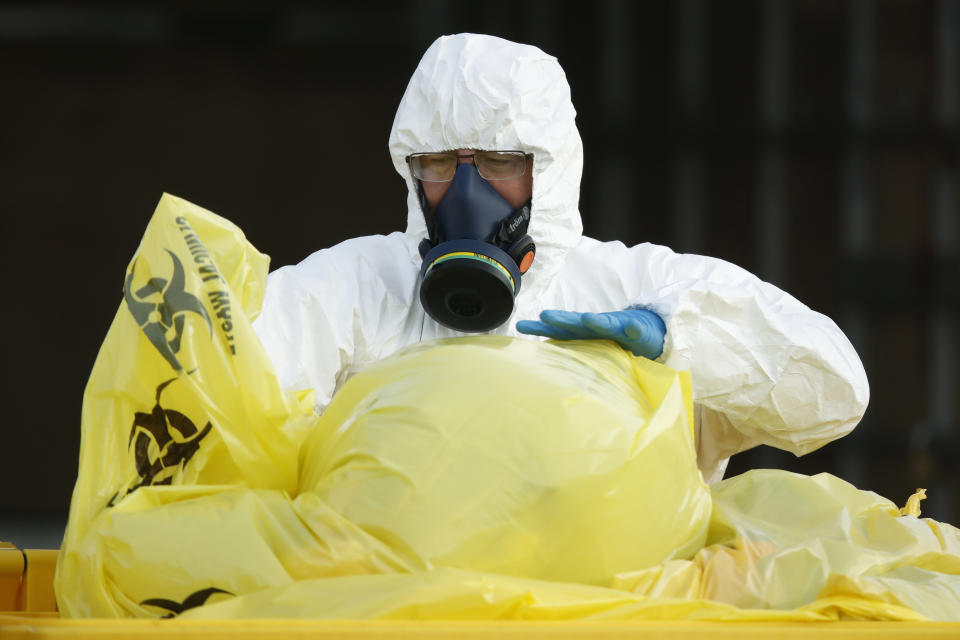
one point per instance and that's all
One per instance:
(476, 252)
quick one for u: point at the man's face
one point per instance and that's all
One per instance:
(516, 191)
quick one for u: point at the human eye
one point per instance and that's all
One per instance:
(434, 167)
(499, 165)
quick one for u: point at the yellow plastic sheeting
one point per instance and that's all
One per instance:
(480, 478)
(782, 547)
(780, 540)
(515, 457)
(201, 481)
(181, 398)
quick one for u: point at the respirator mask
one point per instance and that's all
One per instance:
(478, 247)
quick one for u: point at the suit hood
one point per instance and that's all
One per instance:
(481, 92)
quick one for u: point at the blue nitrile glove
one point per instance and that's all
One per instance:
(639, 331)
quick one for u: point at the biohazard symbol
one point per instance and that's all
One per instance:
(192, 601)
(158, 427)
(160, 308)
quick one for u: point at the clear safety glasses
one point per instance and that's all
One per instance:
(491, 165)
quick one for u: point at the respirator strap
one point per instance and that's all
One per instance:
(514, 226)
(513, 237)
(429, 219)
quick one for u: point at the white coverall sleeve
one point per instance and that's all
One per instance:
(306, 330)
(766, 368)
(342, 308)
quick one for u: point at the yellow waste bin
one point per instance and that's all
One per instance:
(28, 609)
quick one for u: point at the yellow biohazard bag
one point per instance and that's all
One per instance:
(475, 478)
(201, 480)
(182, 398)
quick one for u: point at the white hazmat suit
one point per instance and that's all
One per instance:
(765, 368)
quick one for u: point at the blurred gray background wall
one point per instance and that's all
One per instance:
(814, 143)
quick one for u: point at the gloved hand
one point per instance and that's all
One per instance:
(639, 331)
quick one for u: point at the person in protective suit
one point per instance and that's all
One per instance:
(486, 140)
